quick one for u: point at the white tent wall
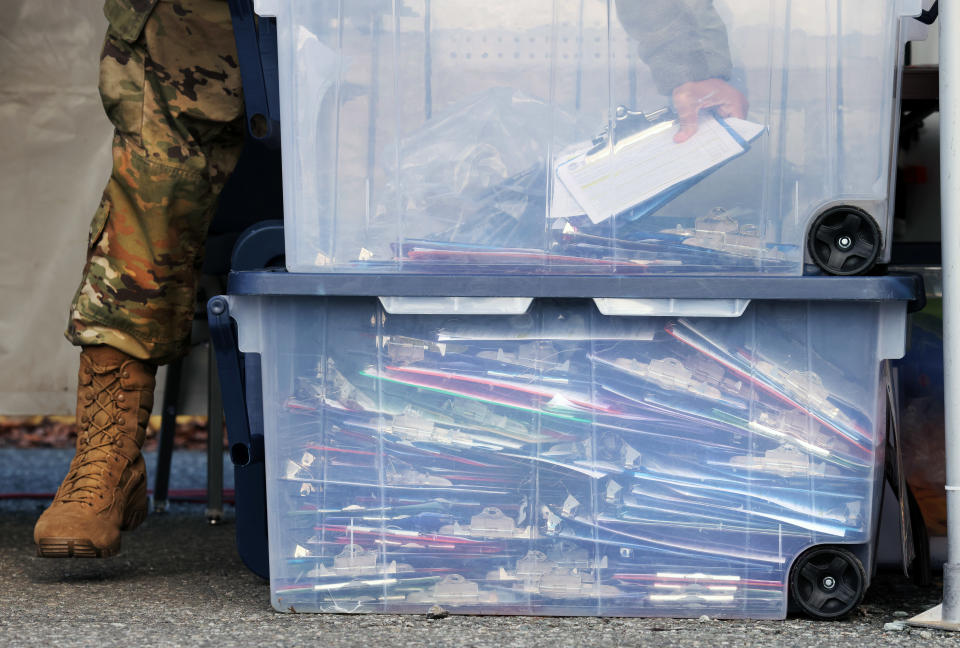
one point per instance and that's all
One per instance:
(54, 163)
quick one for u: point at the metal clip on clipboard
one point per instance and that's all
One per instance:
(629, 122)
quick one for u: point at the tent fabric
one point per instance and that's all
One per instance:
(55, 141)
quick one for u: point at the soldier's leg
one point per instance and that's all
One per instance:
(174, 97)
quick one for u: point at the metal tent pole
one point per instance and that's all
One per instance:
(947, 615)
(950, 236)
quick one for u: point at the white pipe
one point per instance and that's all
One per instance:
(950, 236)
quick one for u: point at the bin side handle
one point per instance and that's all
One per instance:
(263, 122)
(224, 339)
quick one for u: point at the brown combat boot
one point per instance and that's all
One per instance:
(105, 491)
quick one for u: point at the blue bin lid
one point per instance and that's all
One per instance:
(905, 287)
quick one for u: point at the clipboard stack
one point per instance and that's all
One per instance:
(563, 462)
(600, 198)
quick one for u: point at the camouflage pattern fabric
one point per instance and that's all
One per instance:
(127, 17)
(173, 93)
(681, 41)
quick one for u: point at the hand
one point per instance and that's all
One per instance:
(691, 98)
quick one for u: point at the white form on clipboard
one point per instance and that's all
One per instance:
(649, 163)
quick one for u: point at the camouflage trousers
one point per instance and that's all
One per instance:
(173, 93)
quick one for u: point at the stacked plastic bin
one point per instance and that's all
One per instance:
(545, 346)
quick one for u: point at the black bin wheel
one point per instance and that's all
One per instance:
(827, 582)
(844, 241)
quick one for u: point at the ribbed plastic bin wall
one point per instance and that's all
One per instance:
(552, 460)
(425, 136)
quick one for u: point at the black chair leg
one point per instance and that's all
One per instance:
(168, 427)
(214, 443)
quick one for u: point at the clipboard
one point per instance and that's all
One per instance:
(640, 171)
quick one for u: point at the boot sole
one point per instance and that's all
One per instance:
(84, 548)
(74, 548)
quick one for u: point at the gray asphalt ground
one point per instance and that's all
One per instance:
(179, 582)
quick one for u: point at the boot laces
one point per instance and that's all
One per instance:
(85, 481)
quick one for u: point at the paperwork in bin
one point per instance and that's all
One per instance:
(647, 169)
(678, 471)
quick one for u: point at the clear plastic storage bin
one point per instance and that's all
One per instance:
(552, 460)
(539, 136)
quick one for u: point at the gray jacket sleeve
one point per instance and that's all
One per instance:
(680, 40)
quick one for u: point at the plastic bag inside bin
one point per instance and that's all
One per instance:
(475, 175)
